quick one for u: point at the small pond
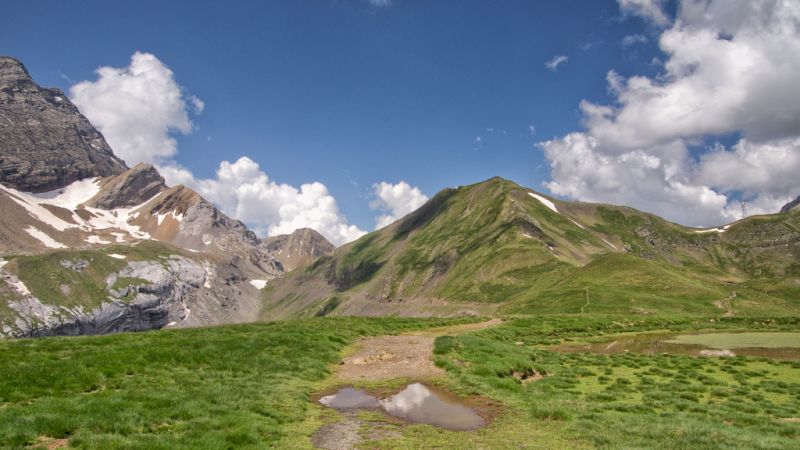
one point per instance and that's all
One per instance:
(777, 345)
(416, 403)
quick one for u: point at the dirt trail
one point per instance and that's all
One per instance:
(408, 355)
(726, 304)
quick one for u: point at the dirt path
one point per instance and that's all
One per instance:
(726, 304)
(408, 355)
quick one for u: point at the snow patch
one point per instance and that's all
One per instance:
(545, 202)
(44, 238)
(576, 223)
(258, 284)
(118, 218)
(117, 256)
(160, 217)
(36, 210)
(712, 230)
(94, 239)
(3, 263)
(71, 196)
(610, 244)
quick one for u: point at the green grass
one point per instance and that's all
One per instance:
(222, 387)
(740, 340)
(250, 386)
(631, 400)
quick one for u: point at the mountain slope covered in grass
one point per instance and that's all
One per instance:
(496, 245)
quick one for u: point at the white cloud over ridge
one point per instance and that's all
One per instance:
(139, 107)
(242, 190)
(396, 200)
(730, 71)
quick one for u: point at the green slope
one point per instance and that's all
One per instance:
(493, 245)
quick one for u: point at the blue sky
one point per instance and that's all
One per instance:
(348, 94)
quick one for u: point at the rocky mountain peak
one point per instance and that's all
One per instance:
(14, 76)
(47, 143)
(129, 188)
(298, 248)
(791, 206)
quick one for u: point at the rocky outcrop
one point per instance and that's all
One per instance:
(299, 248)
(144, 295)
(130, 188)
(791, 206)
(46, 142)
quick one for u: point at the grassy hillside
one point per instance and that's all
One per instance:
(495, 244)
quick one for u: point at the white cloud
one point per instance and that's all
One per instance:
(380, 3)
(633, 39)
(137, 108)
(555, 61)
(242, 190)
(651, 10)
(396, 200)
(730, 69)
(198, 104)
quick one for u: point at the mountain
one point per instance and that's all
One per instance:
(497, 246)
(298, 248)
(46, 143)
(89, 246)
(793, 205)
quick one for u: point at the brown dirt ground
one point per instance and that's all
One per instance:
(407, 355)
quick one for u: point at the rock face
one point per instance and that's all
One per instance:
(46, 143)
(299, 248)
(174, 292)
(791, 206)
(129, 188)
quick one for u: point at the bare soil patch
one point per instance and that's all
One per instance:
(407, 355)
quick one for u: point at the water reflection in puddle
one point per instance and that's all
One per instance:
(416, 403)
(349, 398)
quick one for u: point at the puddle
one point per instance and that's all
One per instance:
(416, 403)
(697, 344)
(349, 398)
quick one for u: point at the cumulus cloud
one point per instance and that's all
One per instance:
(729, 70)
(395, 200)
(651, 10)
(555, 61)
(243, 190)
(137, 108)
